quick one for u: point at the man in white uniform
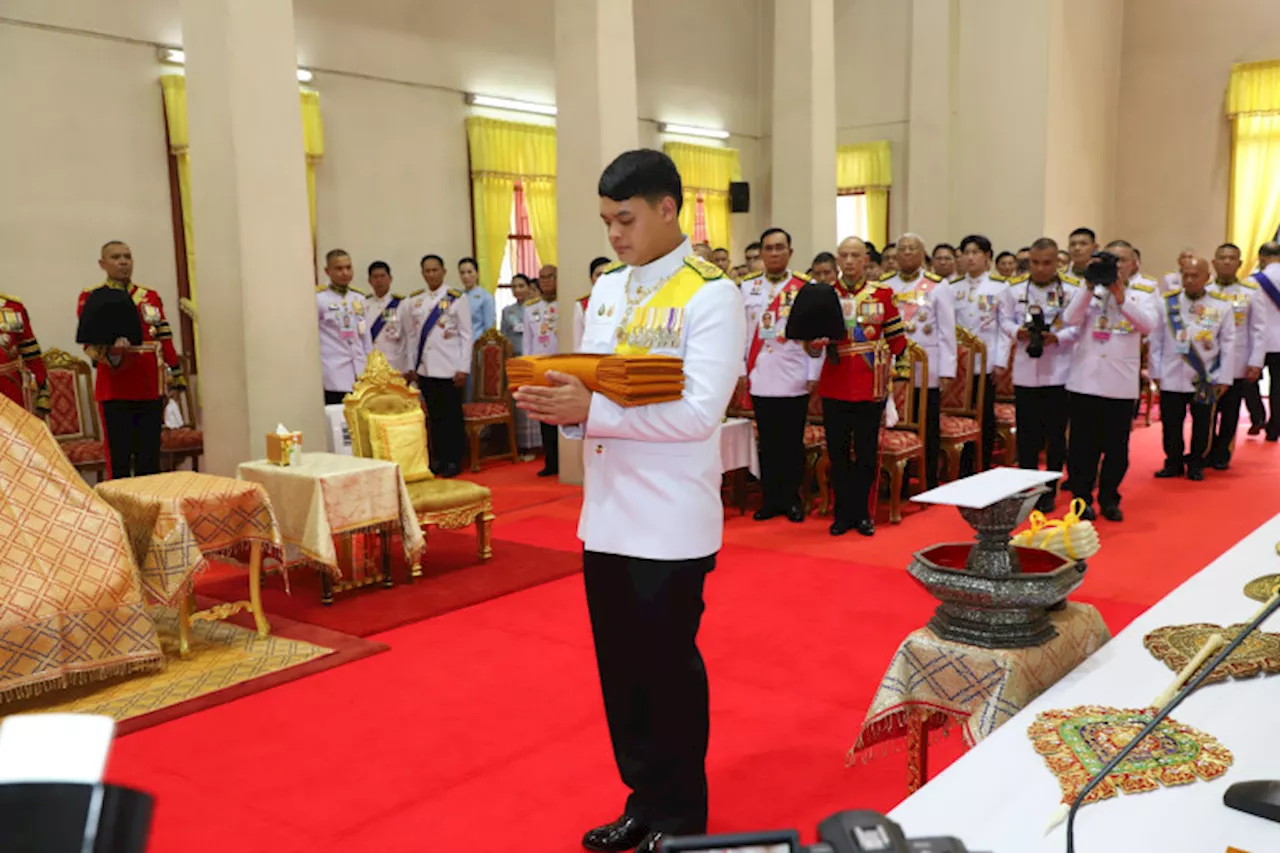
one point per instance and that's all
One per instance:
(1268, 281)
(540, 338)
(1247, 355)
(1104, 381)
(597, 269)
(928, 312)
(1191, 360)
(780, 376)
(381, 308)
(652, 520)
(344, 328)
(437, 343)
(977, 298)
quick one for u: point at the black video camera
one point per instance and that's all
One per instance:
(843, 832)
(1037, 327)
(1102, 272)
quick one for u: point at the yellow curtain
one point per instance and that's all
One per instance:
(706, 171)
(1253, 104)
(868, 168)
(503, 152)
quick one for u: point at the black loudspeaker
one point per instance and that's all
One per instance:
(739, 197)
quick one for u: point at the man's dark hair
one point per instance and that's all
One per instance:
(768, 232)
(1024, 249)
(720, 249)
(433, 257)
(1088, 232)
(1000, 257)
(983, 244)
(1269, 249)
(110, 243)
(520, 276)
(888, 246)
(471, 261)
(380, 265)
(644, 172)
(751, 246)
(1123, 244)
(1044, 243)
(597, 263)
(824, 258)
(1227, 246)
(328, 256)
(950, 248)
(874, 256)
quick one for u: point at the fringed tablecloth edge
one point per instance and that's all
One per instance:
(878, 733)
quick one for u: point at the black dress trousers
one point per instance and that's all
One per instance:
(444, 417)
(1227, 417)
(1042, 425)
(853, 444)
(781, 421)
(1099, 432)
(644, 620)
(132, 431)
(1173, 414)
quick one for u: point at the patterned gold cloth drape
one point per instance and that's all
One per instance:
(1253, 106)
(868, 168)
(70, 603)
(706, 171)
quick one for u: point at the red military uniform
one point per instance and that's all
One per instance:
(131, 397)
(19, 348)
(853, 392)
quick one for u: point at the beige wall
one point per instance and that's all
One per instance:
(1174, 156)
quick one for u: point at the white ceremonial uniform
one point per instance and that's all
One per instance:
(929, 316)
(653, 473)
(977, 300)
(1171, 281)
(389, 337)
(1271, 316)
(344, 336)
(1108, 352)
(447, 350)
(579, 323)
(540, 328)
(1207, 326)
(783, 368)
(1053, 367)
(1250, 320)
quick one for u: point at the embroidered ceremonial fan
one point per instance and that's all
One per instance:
(1077, 742)
(1176, 645)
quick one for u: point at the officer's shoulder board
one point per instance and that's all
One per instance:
(752, 277)
(418, 292)
(321, 288)
(1218, 294)
(933, 276)
(1174, 292)
(359, 292)
(613, 266)
(4, 297)
(706, 269)
(889, 276)
(1247, 282)
(1146, 288)
(802, 276)
(998, 277)
(396, 296)
(454, 293)
(1017, 279)
(1067, 278)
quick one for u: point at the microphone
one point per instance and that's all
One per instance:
(1267, 610)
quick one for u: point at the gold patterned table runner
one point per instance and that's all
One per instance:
(981, 688)
(328, 495)
(180, 520)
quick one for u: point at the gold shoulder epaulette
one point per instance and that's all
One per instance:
(142, 291)
(706, 269)
(1146, 288)
(889, 276)
(1174, 292)
(1218, 294)
(933, 276)
(1017, 279)
(751, 277)
(1249, 283)
(6, 297)
(1068, 278)
(321, 288)
(998, 277)
(396, 296)
(95, 287)
(455, 293)
(418, 292)
(613, 266)
(801, 276)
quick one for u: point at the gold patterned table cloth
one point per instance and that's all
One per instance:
(932, 683)
(329, 495)
(71, 608)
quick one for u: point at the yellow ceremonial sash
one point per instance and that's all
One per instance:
(659, 321)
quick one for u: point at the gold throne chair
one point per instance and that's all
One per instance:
(380, 397)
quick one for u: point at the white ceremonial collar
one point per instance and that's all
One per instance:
(978, 279)
(662, 268)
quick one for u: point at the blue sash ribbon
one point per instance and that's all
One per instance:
(1204, 391)
(1268, 287)
(432, 318)
(376, 328)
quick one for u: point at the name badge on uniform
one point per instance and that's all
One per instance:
(347, 330)
(150, 314)
(768, 326)
(847, 305)
(1102, 329)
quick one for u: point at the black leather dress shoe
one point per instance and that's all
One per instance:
(840, 528)
(796, 514)
(765, 513)
(1046, 503)
(651, 843)
(1088, 514)
(866, 527)
(449, 471)
(1195, 474)
(1167, 473)
(625, 833)
(1220, 465)
(549, 472)
(1112, 513)
(1256, 429)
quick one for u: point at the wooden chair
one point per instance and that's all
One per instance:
(961, 421)
(1007, 416)
(440, 503)
(187, 441)
(905, 442)
(73, 414)
(1147, 393)
(492, 402)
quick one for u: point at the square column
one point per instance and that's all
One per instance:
(929, 116)
(804, 126)
(595, 122)
(259, 339)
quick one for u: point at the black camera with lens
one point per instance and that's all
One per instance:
(843, 832)
(1102, 272)
(1037, 327)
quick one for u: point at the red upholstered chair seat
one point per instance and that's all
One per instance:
(898, 442)
(956, 428)
(84, 451)
(1006, 414)
(64, 411)
(182, 438)
(484, 411)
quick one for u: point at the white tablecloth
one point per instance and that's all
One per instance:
(738, 446)
(999, 796)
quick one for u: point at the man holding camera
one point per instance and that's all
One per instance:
(1113, 313)
(1033, 322)
(1191, 356)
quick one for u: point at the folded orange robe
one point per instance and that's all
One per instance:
(628, 380)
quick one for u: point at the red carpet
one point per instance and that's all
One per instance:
(453, 577)
(482, 729)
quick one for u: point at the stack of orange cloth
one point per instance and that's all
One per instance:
(628, 380)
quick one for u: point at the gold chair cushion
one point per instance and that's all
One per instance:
(402, 439)
(438, 495)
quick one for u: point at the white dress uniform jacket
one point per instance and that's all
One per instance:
(1250, 320)
(540, 328)
(653, 473)
(929, 315)
(1054, 365)
(448, 345)
(344, 337)
(390, 337)
(977, 302)
(1271, 314)
(1207, 326)
(1108, 353)
(579, 323)
(783, 368)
